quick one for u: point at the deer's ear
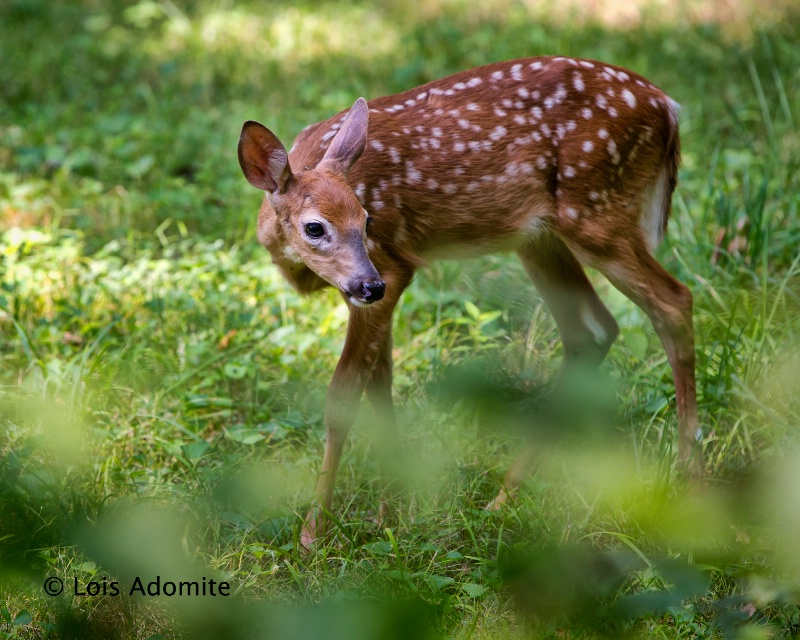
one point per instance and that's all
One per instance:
(263, 158)
(349, 143)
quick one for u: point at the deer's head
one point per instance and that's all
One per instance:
(313, 218)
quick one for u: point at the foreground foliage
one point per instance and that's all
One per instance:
(161, 391)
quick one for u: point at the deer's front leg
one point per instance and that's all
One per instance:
(379, 394)
(344, 394)
(368, 338)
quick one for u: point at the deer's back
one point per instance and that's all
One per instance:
(488, 154)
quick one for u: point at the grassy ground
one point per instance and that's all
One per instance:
(161, 389)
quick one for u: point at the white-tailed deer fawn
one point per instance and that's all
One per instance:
(564, 161)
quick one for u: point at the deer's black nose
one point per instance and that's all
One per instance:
(373, 291)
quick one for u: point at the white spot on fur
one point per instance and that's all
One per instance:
(449, 188)
(377, 203)
(459, 147)
(499, 112)
(516, 72)
(629, 98)
(601, 101)
(535, 66)
(474, 82)
(613, 152)
(602, 134)
(577, 82)
(431, 184)
(497, 133)
(586, 112)
(588, 146)
(569, 172)
(413, 175)
(497, 75)
(376, 144)
(587, 64)
(612, 112)
(394, 154)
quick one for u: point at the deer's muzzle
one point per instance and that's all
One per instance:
(362, 292)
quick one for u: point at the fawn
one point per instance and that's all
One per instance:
(567, 162)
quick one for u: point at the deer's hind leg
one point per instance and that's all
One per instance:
(632, 269)
(586, 327)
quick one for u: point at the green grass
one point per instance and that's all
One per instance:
(161, 389)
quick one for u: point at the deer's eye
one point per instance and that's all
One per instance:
(314, 230)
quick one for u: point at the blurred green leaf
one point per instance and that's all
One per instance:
(474, 590)
(23, 617)
(195, 450)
